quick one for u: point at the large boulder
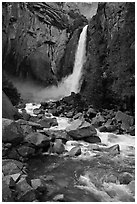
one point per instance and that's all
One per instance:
(6, 192)
(48, 122)
(25, 192)
(37, 139)
(126, 120)
(75, 151)
(11, 131)
(58, 146)
(10, 166)
(82, 133)
(8, 110)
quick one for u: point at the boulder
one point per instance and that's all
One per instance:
(10, 166)
(78, 115)
(48, 122)
(127, 120)
(60, 134)
(25, 192)
(16, 176)
(9, 181)
(8, 110)
(37, 139)
(91, 113)
(98, 120)
(131, 131)
(58, 198)
(25, 115)
(38, 184)
(11, 131)
(92, 139)
(82, 133)
(125, 178)
(111, 128)
(58, 146)
(75, 151)
(70, 114)
(74, 125)
(38, 111)
(131, 186)
(6, 193)
(102, 128)
(13, 154)
(26, 151)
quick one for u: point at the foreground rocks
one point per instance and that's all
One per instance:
(37, 135)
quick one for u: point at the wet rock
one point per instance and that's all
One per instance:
(30, 123)
(38, 111)
(16, 177)
(13, 154)
(6, 193)
(59, 197)
(75, 151)
(102, 129)
(70, 114)
(11, 131)
(109, 122)
(91, 113)
(38, 184)
(10, 166)
(8, 110)
(113, 150)
(98, 120)
(127, 120)
(92, 139)
(37, 139)
(82, 133)
(25, 192)
(125, 178)
(111, 128)
(9, 181)
(131, 131)
(48, 122)
(131, 186)
(34, 119)
(25, 115)
(74, 125)
(78, 115)
(44, 105)
(58, 146)
(60, 134)
(26, 151)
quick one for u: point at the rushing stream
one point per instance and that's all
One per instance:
(97, 175)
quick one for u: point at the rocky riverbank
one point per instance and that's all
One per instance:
(68, 128)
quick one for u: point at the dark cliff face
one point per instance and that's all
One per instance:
(35, 38)
(110, 66)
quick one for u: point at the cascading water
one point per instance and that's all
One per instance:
(34, 93)
(73, 81)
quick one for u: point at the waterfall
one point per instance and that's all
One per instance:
(72, 82)
(34, 93)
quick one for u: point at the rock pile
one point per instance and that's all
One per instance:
(23, 139)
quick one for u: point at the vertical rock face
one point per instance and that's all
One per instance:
(35, 36)
(109, 69)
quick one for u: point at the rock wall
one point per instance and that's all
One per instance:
(35, 36)
(109, 76)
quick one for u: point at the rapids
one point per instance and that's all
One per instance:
(93, 176)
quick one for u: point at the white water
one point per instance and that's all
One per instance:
(73, 81)
(32, 92)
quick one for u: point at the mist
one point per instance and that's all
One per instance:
(32, 92)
